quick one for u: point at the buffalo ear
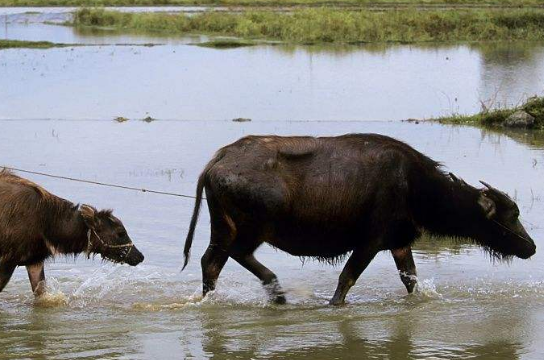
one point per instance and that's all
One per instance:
(488, 206)
(88, 213)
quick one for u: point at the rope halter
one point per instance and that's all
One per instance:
(512, 231)
(108, 246)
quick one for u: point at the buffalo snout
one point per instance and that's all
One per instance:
(528, 250)
(134, 257)
(526, 246)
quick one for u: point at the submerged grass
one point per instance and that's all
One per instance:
(491, 118)
(328, 25)
(8, 44)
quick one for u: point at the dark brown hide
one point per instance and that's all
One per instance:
(327, 197)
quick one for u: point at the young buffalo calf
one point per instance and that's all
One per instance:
(36, 225)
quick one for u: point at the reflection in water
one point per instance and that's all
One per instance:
(338, 82)
(408, 333)
(511, 72)
(169, 82)
(468, 306)
(533, 139)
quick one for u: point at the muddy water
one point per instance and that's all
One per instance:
(468, 306)
(57, 107)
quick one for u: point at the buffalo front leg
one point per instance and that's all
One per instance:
(406, 267)
(36, 275)
(267, 277)
(6, 270)
(356, 264)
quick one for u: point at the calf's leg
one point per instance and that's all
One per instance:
(36, 275)
(6, 270)
(267, 277)
(406, 267)
(356, 264)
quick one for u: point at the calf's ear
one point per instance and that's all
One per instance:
(488, 205)
(88, 213)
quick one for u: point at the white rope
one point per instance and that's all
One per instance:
(100, 183)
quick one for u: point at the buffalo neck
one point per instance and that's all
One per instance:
(447, 207)
(65, 231)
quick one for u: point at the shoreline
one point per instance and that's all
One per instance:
(315, 26)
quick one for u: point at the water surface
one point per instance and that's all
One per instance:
(469, 306)
(266, 82)
(57, 107)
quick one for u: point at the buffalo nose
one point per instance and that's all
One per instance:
(136, 257)
(531, 250)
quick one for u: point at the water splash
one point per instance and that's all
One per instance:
(426, 289)
(182, 303)
(53, 296)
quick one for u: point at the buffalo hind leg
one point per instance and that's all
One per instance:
(406, 267)
(36, 275)
(6, 270)
(223, 231)
(213, 261)
(267, 277)
(356, 264)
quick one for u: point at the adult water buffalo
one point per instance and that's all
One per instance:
(325, 197)
(36, 225)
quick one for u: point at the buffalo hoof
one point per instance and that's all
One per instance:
(279, 300)
(337, 302)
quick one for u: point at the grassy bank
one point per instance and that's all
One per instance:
(8, 44)
(332, 3)
(493, 118)
(327, 25)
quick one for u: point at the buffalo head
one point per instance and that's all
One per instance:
(108, 237)
(499, 228)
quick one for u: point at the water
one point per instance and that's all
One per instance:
(128, 312)
(58, 119)
(266, 82)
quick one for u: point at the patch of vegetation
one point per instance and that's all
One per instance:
(9, 44)
(534, 107)
(225, 44)
(121, 119)
(311, 26)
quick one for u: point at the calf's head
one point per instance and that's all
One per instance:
(108, 237)
(499, 228)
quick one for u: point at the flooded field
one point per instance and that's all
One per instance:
(172, 81)
(57, 108)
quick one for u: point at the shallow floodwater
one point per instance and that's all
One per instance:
(58, 106)
(468, 306)
(266, 82)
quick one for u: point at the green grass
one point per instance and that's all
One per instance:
(331, 3)
(493, 118)
(8, 44)
(334, 26)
